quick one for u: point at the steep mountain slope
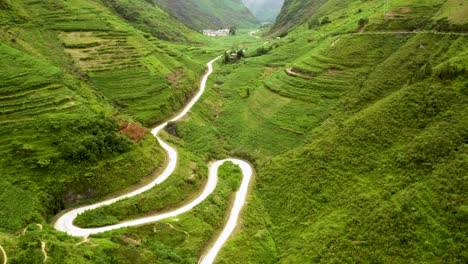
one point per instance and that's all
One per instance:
(394, 15)
(381, 179)
(80, 80)
(59, 139)
(76, 84)
(294, 13)
(365, 118)
(356, 122)
(264, 10)
(204, 14)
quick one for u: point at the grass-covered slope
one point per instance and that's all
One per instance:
(60, 142)
(441, 15)
(355, 122)
(381, 179)
(151, 18)
(381, 176)
(138, 73)
(76, 84)
(366, 124)
(210, 14)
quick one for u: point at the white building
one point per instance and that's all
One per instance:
(216, 33)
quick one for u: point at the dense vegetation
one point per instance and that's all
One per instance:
(381, 176)
(68, 94)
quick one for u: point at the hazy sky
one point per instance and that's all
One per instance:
(264, 10)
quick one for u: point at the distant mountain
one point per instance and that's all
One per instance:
(203, 14)
(264, 10)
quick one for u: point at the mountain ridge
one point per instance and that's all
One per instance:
(209, 14)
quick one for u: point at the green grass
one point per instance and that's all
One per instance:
(370, 174)
(366, 186)
(58, 138)
(152, 19)
(454, 11)
(185, 184)
(179, 240)
(94, 43)
(344, 16)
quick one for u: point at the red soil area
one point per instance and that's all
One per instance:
(134, 131)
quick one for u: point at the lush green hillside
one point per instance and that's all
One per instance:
(76, 84)
(210, 14)
(356, 123)
(264, 10)
(59, 139)
(381, 177)
(358, 133)
(80, 81)
(395, 15)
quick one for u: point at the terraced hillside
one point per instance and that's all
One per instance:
(42, 157)
(440, 15)
(354, 119)
(364, 170)
(210, 14)
(357, 127)
(76, 84)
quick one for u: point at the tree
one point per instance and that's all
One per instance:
(240, 54)
(233, 30)
(326, 20)
(226, 57)
(313, 23)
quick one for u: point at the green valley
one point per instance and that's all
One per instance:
(352, 113)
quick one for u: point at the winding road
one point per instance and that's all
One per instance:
(5, 258)
(65, 221)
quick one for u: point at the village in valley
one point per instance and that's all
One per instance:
(216, 33)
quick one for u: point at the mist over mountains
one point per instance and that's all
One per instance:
(264, 10)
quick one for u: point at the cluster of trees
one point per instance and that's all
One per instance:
(100, 140)
(233, 55)
(316, 23)
(263, 50)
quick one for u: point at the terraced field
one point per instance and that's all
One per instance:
(333, 67)
(135, 71)
(76, 64)
(129, 71)
(31, 89)
(66, 16)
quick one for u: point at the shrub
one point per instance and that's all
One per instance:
(362, 22)
(448, 71)
(325, 20)
(262, 51)
(313, 23)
